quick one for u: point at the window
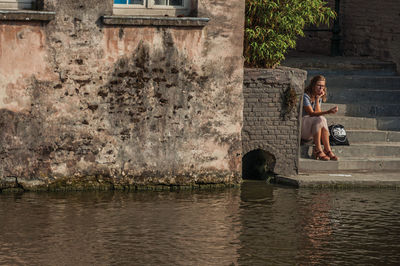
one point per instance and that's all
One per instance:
(16, 4)
(152, 7)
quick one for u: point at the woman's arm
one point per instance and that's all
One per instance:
(318, 103)
(311, 112)
(317, 111)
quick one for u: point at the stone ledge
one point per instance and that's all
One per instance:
(257, 73)
(155, 21)
(347, 179)
(26, 15)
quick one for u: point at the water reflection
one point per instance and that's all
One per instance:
(268, 218)
(256, 225)
(120, 228)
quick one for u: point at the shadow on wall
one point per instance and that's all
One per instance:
(258, 164)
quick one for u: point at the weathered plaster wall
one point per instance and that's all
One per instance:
(92, 106)
(22, 55)
(269, 124)
(368, 28)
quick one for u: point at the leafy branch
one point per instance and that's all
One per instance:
(272, 27)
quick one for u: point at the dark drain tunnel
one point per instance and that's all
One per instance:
(258, 165)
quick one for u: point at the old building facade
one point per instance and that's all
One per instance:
(98, 94)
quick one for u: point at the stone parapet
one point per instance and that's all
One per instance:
(269, 123)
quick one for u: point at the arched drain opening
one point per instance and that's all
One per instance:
(258, 164)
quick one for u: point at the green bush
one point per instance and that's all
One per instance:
(272, 27)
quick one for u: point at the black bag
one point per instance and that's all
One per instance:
(337, 135)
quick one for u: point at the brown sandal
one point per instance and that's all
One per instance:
(320, 155)
(331, 155)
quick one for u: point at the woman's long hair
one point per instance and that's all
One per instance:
(310, 88)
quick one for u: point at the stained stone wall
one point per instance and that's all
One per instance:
(84, 105)
(270, 124)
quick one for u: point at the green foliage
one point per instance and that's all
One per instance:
(272, 27)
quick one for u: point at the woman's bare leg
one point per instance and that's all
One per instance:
(317, 152)
(325, 139)
(327, 146)
(317, 140)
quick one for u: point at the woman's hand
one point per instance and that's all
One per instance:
(318, 96)
(333, 110)
(321, 94)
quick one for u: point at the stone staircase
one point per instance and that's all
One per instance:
(367, 93)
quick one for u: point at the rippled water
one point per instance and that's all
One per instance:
(257, 224)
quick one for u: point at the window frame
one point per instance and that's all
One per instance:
(125, 6)
(17, 4)
(151, 4)
(150, 9)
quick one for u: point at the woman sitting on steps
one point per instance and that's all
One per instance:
(314, 125)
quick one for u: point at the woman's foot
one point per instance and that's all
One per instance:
(331, 155)
(320, 155)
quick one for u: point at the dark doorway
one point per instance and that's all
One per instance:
(258, 164)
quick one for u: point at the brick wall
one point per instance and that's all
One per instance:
(267, 125)
(371, 28)
(368, 28)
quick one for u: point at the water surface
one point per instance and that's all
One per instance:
(256, 224)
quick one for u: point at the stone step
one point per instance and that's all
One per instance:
(375, 164)
(368, 81)
(364, 109)
(357, 95)
(353, 123)
(357, 136)
(367, 92)
(348, 179)
(364, 150)
(345, 65)
(389, 70)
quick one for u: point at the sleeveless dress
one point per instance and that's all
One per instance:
(311, 124)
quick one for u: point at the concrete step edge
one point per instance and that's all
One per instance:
(357, 153)
(364, 81)
(371, 144)
(361, 96)
(362, 89)
(353, 164)
(357, 77)
(328, 73)
(323, 62)
(372, 130)
(378, 122)
(335, 179)
(358, 104)
(388, 136)
(356, 159)
(364, 109)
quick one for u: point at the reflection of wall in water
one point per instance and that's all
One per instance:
(158, 228)
(269, 219)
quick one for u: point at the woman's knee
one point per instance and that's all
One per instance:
(321, 119)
